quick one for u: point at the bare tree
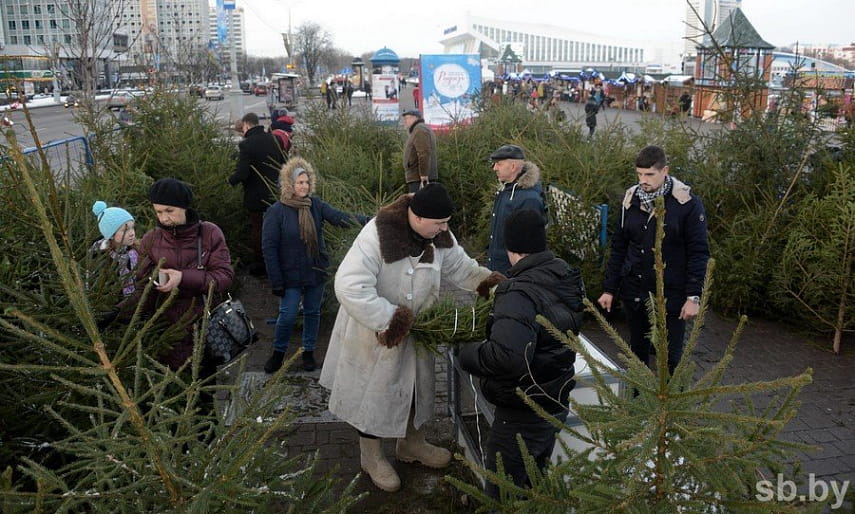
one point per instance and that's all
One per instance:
(93, 24)
(312, 43)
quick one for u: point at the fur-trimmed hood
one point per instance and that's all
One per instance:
(528, 177)
(398, 240)
(286, 182)
(680, 191)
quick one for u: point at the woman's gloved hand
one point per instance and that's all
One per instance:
(399, 326)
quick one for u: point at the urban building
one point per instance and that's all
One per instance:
(163, 34)
(540, 48)
(39, 42)
(703, 17)
(234, 26)
(39, 39)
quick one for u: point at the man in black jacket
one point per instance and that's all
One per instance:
(521, 353)
(258, 166)
(685, 251)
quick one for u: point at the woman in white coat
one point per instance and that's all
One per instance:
(379, 383)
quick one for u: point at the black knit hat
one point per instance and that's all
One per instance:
(525, 232)
(170, 191)
(432, 201)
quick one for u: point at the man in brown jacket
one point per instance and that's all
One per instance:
(419, 152)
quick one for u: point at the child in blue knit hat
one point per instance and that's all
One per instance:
(119, 238)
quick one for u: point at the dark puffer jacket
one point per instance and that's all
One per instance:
(178, 246)
(519, 352)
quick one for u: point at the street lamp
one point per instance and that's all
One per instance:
(288, 38)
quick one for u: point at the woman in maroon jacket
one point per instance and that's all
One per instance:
(175, 241)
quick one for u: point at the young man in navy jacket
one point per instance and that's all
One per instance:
(685, 251)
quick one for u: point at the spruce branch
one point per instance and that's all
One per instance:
(74, 287)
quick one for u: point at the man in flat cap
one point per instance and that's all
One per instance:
(519, 188)
(378, 382)
(419, 152)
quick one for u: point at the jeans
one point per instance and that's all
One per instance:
(639, 329)
(539, 437)
(289, 304)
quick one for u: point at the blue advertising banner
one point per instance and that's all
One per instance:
(229, 5)
(222, 23)
(450, 86)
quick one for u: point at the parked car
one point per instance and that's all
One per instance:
(119, 99)
(214, 93)
(260, 90)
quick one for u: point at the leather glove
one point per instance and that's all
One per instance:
(279, 291)
(399, 326)
(492, 279)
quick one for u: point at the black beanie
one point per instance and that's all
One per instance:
(170, 191)
(432, 201)
(525, 232)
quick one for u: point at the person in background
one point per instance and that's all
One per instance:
(119, 239)
(348, 92)
(592, 107)
(379, 383)
(325, 89)
(282, 127)
(685, 102)
(685, 251)
(420, 165)
(257, 170)
(417, 95)
(520, 353)
(519, 188)
(194, 255)
(296, 257)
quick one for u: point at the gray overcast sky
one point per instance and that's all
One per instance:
(411, 28)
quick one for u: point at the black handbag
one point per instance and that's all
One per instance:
(230, 331)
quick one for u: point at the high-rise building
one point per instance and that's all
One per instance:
(164, 32)
(238, 26)
(702, 18)
(131, 36)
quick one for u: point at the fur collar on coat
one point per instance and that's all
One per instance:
(286, 182)
(398, 240)
(529, 176)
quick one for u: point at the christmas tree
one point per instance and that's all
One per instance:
(136, 435)
(681, 443)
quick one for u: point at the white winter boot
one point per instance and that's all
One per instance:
(414, 448)
(375, 464)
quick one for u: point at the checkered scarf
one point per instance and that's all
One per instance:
(647, 199)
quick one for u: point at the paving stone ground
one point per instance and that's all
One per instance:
(767, 350)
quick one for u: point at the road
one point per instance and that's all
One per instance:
(54, 122)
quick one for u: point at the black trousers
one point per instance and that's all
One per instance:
(639, 328)
(256, 221)
(539, 437)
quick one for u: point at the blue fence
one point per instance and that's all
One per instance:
(67, 158)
